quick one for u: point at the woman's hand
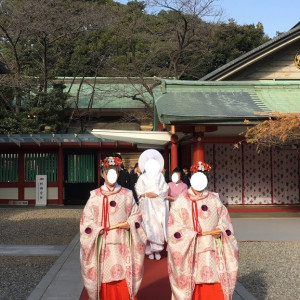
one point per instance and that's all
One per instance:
(151, 195)
(170, 198)
(217, 234)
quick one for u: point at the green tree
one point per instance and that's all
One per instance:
(43, 112)
(43, 39)
(133, 53)
(228, 42)
(185, 33)
(34, 36)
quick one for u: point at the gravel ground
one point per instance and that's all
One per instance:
(268, 270)
(20, 275)
(32, 226)
(39, 225)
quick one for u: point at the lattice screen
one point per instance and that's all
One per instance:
(9, 167)
(40, 164)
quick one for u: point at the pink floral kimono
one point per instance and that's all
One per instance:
(196, 259)
(117, 254)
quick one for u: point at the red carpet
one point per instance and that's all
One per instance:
(155, 284)
(84, 295)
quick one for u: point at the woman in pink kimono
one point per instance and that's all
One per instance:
(176, 186)
(202, 249)
(112, 239)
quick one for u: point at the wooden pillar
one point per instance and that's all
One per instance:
(166, 158)
(21, 177)
(174, 152)
(60, 177)
(161, 126)
(198, 145)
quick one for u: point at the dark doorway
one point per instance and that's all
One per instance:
(80, 173)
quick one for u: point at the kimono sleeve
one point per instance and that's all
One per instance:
(89, 232)
(181, 245)
(230, 251)
(225, 223)
(185, 189)
(139, 186)
(163, 187)
(135, 219)
(169, 190)
(137, 242)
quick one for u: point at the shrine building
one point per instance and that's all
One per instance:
(194, 120)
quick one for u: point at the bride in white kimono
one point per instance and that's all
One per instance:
(152, 189)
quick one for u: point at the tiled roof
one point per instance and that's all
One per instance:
(108, 93)
(224, 102)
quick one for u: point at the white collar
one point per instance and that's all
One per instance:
(116, 187)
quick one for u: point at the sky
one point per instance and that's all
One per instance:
(275, 15)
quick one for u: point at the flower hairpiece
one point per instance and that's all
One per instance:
(110, 161)
(200, 166)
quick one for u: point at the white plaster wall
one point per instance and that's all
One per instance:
(52, 193)
(9, 193)
(29, 193)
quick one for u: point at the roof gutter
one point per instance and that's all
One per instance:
(251, 120)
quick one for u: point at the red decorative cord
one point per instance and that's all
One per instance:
(105, 215)
(196, 224)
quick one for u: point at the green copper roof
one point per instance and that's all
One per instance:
(108, 94)
(224, 102)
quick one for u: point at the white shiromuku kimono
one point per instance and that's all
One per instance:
(154, 210)
(117, 254)
(195, 259)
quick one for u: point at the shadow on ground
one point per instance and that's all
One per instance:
(255, 283)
